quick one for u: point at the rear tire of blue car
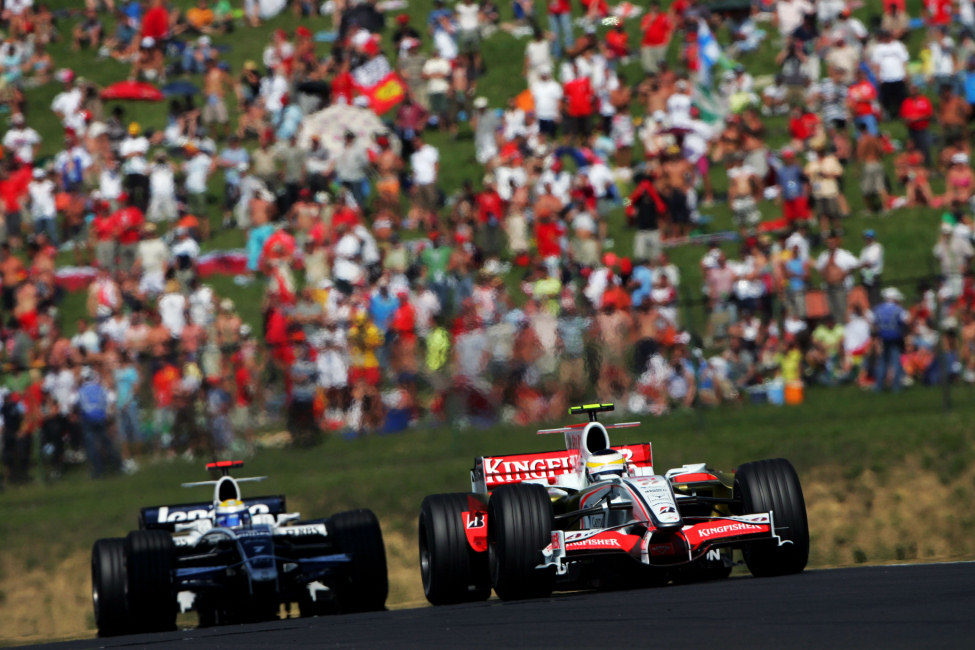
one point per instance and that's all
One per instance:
(519, 527)
(365, 584)
(109, 586)
(773, 485)
(451, 570)
(151, 558)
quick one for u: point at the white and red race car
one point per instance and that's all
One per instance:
(597, 516)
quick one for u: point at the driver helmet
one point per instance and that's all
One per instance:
(605, 464)
(232, 513)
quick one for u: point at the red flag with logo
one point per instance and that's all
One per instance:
(386, 94)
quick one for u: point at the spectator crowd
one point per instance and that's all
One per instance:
(381, 296)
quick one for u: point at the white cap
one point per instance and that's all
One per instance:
(148, 41)
(893, 294)
(204, 40)
(38, 172)
(960, 158)
(480, 102)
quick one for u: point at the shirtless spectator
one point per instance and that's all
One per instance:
(216, 84)
(873, 183)
(744, 188)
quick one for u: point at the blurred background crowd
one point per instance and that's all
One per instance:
(368, 295)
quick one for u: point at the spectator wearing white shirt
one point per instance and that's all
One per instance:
(152, 258)
(43, 209)
(425, 163)
(547, 95)
(469, 30)
(172, 309)
(110, 182)
(889, 60)
(436, 71)
(197, 170)
(21, 140)
(133, 152)
(67, 103)
(162, 191)
(872, 266)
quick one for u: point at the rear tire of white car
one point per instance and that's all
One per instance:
(773, 485)
(152, 602)
(109, 586)
(451, 570)
(365, 585)
(519, 527)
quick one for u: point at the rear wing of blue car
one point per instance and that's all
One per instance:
(166, 517)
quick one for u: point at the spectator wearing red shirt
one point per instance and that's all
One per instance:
(861, 98)
(548, 237)
(104, 230)
(403, 324)
(13, 188)
(917, 111)
(617, 43)
(128, 227)
(155, 24)
(938, 12)
(164, 383)
(657, 29)
(490, 215)
(580, 104)
(560, 24)
(802, 124)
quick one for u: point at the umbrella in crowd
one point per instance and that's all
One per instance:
(134, 90)
(331, 124)
(180, 89)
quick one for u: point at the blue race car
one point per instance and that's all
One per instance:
(235, 560)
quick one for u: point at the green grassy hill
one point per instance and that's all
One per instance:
(880, 473)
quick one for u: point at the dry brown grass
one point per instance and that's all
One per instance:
(901, 515)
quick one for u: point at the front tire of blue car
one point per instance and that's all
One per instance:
(151, 557)
(365, 584)
(109, 586)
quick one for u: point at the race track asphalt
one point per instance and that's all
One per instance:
(916, 606)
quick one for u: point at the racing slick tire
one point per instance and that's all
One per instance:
(109, 586)
(152, 602)
(519, 527)
(365, 585)
(452, 571)
(773, 485)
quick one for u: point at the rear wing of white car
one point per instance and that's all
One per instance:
(555, 468)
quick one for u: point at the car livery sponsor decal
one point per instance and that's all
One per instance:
(723, 529)
(167, 516)
(501, 470)
(595, 540)
(301, 531)
(475, 523)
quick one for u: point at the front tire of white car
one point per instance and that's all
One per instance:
(451, 570)
(773, 486)
(519, 527)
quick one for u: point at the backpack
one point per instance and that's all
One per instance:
(93, 402)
